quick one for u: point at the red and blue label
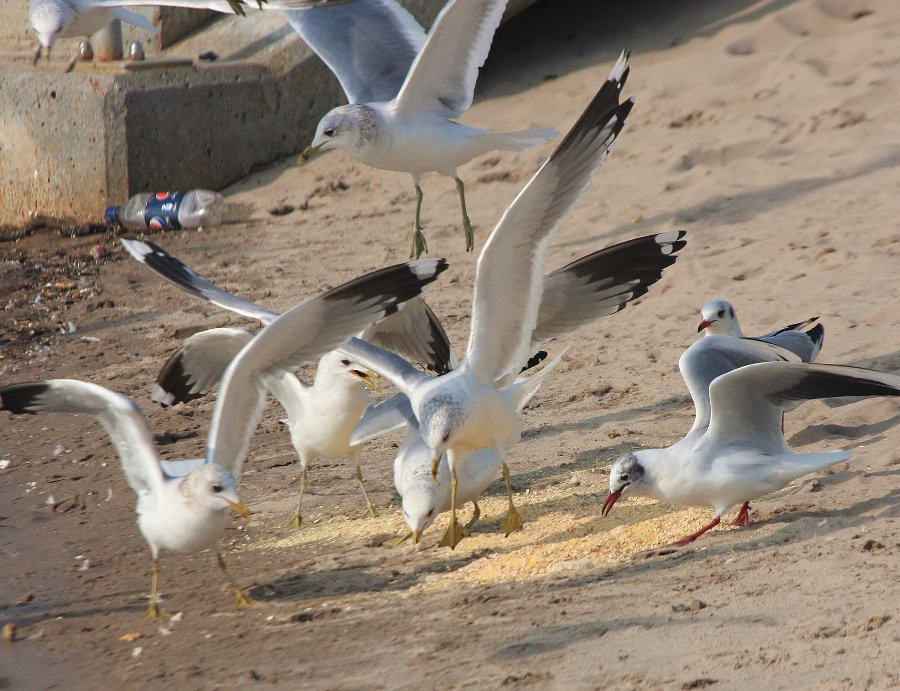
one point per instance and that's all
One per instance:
(161, 211)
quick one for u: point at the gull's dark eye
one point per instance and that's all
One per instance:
(329, 132)
(624, 476)
(217, 488)
(345, 362)
(446, 437)
(721, 313)
(431, 513)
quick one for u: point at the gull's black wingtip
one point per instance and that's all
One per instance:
(21, 398)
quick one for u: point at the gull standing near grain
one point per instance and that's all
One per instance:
(742, 454)
(597, 285)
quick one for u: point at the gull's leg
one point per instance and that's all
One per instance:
(742, 520)
(370, 510)
(418, 244)
(37, 55)
(237, 6)
(153, 611)
(355, 454)
(242, 600)
(693, 536)
(467, 224)
(297, 521)
(513, 520)
(454, 533)
(476, 514)
(71, 65)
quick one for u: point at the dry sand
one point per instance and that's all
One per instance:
(770, 131)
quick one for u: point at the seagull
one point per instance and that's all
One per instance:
(720, 319)
(404, 89)
(464, 411)
(740, 453)
(596, 285)
(183, 507)
(54, 19)
(424, 495)
(320, 415)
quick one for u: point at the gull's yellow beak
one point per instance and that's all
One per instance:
(308, 153)
(435, 464)
(239, 509)
(371, 380)
(415, 536)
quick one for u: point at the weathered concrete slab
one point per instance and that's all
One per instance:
(70, 144)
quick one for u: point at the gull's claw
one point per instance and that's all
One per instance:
(397, 541)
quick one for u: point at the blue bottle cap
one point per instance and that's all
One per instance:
(110, 217)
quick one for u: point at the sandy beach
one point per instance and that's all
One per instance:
(769, 131)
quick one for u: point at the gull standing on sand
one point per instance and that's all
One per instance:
(183, 506)
(464, 411)
(594, 286)
(736, 452)
(322, 415)
(404, 89)
(720, 319)
(54, 19)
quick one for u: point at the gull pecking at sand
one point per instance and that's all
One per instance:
(183, 506)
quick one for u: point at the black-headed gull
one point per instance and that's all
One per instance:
(403, 89)
(183, 506)
(720, 319)
(464, 411)
(321, 415)
(742, 454)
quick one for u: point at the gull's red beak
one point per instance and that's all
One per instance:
(703, 325)
(611, 499)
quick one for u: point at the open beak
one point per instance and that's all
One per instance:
(308, 153)
(239, 509)
(370, 380)
(611, 499)
(703, 325)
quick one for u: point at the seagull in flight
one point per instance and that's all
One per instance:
(463, 411)
(321, 415)
(736, 450)
(405, 89)
(183, 506)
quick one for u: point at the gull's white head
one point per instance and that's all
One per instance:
(420, 507)
(350, 127)
(719, 318)
(49, 18)
(213, 488)
(336, 367)
(626, 472)
(440, 418)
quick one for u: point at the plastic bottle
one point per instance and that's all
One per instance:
(169, 210)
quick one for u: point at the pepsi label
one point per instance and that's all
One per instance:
(161, 211)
